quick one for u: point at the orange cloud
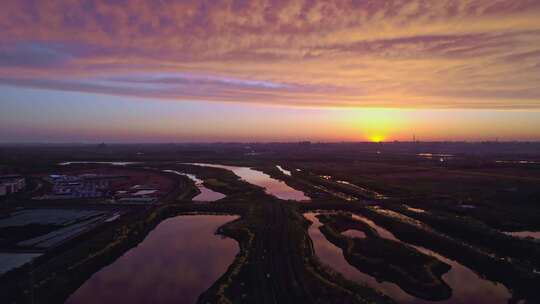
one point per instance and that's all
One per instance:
(396, 54)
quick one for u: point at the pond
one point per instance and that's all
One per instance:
(272, 186)
(180, 259)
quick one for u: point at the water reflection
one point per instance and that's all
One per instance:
(176, 262)
(365, 190)
(380, 230)
(332, 255)
(286, 172)
(521, 162)
(118, 163)
(337, 194)
(417, 210)
(467, 286)
(206, 195)
(353, 233)
(272, 186)
(525, 234)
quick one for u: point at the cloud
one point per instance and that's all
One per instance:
(392, 53)
(32, 54)
(169, 85)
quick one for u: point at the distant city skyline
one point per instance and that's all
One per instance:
(244, 71)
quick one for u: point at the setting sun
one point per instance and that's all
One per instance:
(376, 138)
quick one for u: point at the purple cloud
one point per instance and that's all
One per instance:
(32, 54)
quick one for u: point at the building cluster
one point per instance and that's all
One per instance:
(99, 186)
(10, 184)
(79, 186)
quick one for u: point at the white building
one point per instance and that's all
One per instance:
(11, 184)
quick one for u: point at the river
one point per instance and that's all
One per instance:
(467, 286)
(180, 259)
(271, 185)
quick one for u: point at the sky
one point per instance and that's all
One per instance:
(262, 70)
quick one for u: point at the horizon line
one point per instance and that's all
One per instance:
(266, 142)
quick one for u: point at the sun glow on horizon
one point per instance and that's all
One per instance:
(377, 138)
(287, 70)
